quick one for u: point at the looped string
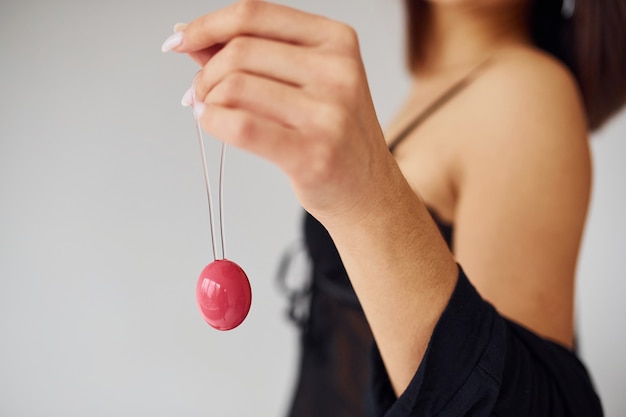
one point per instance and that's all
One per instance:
(208, 183)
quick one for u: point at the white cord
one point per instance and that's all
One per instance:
(208, 184)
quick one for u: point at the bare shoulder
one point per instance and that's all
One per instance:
(531, 67)
(526, 104)
(536, 80)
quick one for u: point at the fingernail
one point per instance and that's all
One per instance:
(198, 110)
(172, 42)
(179, 27)
(187, 99)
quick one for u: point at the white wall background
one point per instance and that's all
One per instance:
(103, 225)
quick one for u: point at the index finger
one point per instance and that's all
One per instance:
(254, 18)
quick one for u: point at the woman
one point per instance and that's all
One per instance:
(493, 139)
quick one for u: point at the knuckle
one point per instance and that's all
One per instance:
(346, 37)
(245, 11)
(344, 78)
(234, 53)
(237, 46)
(231, 89)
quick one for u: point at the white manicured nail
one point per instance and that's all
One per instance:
(172, 42)
(198, 110)
(187, 99)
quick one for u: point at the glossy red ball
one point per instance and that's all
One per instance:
(223, 294)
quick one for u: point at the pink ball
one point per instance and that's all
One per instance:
(223, 294)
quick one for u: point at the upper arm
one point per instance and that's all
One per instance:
(523, 184)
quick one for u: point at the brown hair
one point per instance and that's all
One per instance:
(591, 43)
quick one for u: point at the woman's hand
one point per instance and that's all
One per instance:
(290, 87)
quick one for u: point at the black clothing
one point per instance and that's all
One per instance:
(336, 339)
(480, 364)
(477, 363)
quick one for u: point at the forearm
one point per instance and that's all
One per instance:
(400, 268)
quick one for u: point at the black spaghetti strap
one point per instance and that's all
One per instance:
(438, 103)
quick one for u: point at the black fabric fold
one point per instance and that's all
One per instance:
(480, 364)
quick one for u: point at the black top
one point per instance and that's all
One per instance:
(477, 362)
